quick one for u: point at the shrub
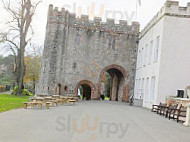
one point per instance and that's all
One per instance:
(25, 92)
(15, 90)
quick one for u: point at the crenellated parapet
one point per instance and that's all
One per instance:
(69, 19)
(170, 8)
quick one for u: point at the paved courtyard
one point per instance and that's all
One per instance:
(90, 121)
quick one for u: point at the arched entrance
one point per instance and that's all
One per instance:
(116, 85)
(58, 89)
(86, 89)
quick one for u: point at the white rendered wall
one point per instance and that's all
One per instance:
(175, 60)
(150, 69)
(171, 71)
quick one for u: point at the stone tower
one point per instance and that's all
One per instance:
(78, 52)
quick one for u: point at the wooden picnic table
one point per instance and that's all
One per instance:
(48, 98)
(56, 96)
(37, 99)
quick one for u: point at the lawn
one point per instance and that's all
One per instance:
(8, 102)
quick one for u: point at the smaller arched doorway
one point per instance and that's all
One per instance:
(85, 89)
(85, 92)
(58, 89)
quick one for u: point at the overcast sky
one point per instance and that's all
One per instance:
(118, 9)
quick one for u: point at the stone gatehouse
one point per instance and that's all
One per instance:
(78, 52)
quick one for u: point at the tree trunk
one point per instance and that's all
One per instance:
(20, 69)
(34, 85)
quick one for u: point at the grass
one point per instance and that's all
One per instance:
(8, 102)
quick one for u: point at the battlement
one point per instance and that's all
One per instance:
(170, 8)
(65, 17)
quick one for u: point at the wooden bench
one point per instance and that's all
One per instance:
(181, 114)
(164, 109)
(69, 101)
(48, 105)
(171, 111)
(62, 101)
(33, 104)
(155, 108)
(26, 104)
(161, 108)
(158, 108)
(40, 104)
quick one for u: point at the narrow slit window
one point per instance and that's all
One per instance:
(109, 41)
(113, 43)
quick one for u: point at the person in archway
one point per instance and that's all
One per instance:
(102, 91)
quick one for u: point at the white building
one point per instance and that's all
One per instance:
(163, 62)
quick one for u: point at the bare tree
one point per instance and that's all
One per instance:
(20, 33)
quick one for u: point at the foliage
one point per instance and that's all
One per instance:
(1, 60)
(107, 81)
(7, 78)
(15, 90)
(25, 92)
(32, 68)
(9, 102)
(7, 61)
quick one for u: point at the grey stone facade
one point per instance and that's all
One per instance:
(80, 51)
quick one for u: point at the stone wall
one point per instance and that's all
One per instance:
(78, 50)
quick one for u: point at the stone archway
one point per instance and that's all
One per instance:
(118, 81)
(58, 89)
(88, 87)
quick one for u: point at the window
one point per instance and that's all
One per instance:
(145, 54)
(147, 90)
(142, 57)
(139, 86)
(142, 88)
(113, 43)
(66, 88)
(109, 41)
(156, 49)
(136, 85)
(78, 39)
(150, 52)
(136, 82)
(152, 88)
(138, 59)
(74, 65)
(139, 89)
